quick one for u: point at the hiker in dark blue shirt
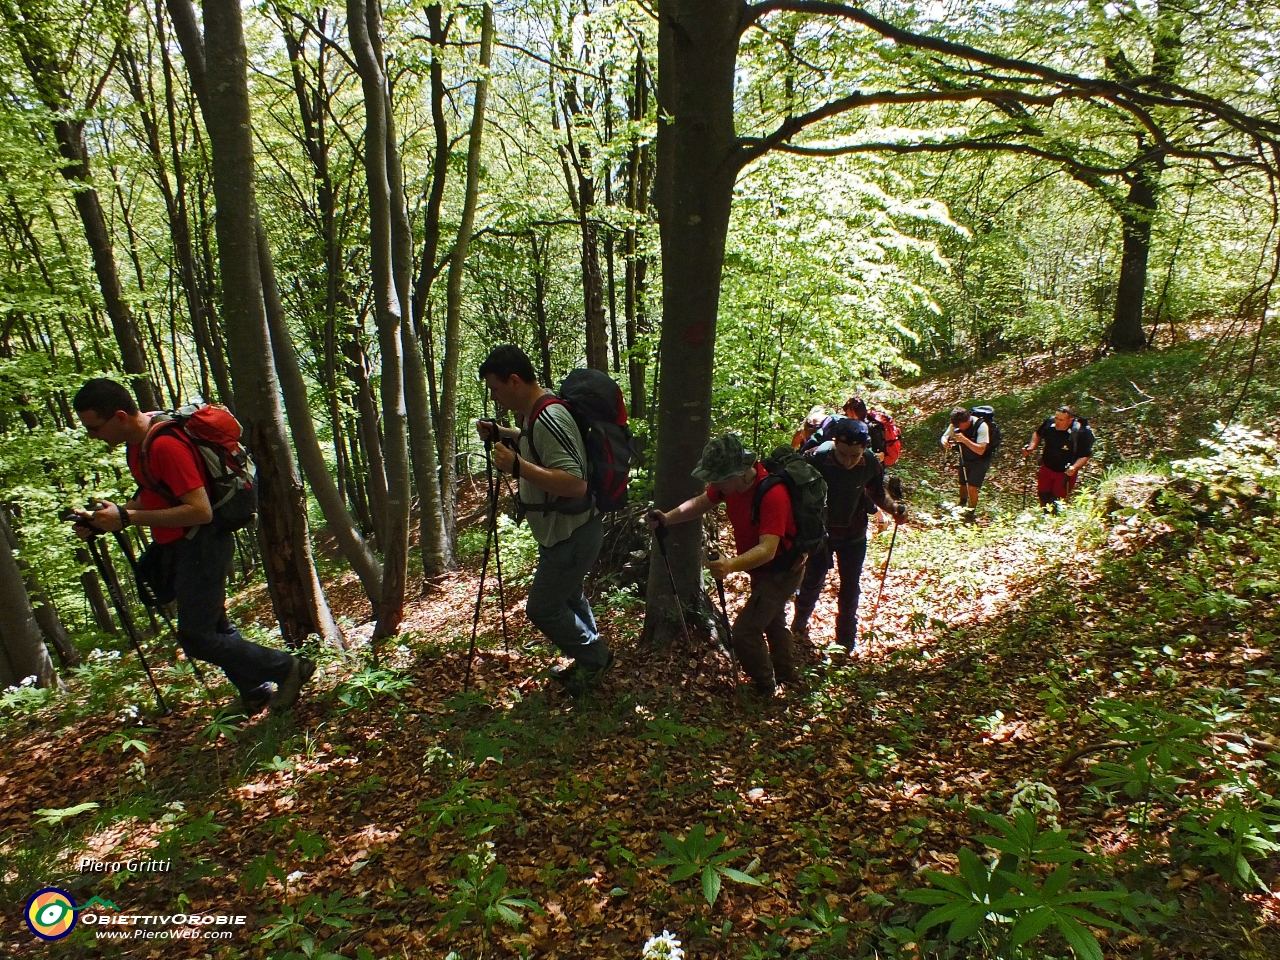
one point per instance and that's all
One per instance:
(855, 487)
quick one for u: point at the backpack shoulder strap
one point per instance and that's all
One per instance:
(167, 426)
(539, 405)
(767, 483)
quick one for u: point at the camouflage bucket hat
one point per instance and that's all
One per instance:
(723, 458)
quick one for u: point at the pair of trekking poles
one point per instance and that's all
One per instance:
(491, 548)
(106, 572)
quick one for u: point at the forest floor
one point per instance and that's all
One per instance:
(397, 815)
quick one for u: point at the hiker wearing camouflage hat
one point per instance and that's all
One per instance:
(761, 536)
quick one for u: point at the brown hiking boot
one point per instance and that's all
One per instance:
(300, 671)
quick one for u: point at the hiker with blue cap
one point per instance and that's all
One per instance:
(855, 488)
(764, 536)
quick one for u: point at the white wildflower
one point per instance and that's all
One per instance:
(28, 681)
(138, 770)
(1038, 799)
(483, 858)
(293, 877)
(662, 947)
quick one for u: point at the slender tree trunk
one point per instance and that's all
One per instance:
(93, 592)
(362, 26)
(433, 544)
(303, 428)
(294, 585)
(697, 167)
(457, 264)
(540, 305)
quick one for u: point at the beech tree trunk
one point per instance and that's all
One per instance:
(362, 26)
(1136, 217)
(45, 613)
(284, 539)
(22, 650)
(433, 545)
(453, 320)
(697, 167)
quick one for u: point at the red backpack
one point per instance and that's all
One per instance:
(600, 412)
(886, 438)
(213, 434)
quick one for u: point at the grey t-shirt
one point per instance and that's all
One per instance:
(560, 447)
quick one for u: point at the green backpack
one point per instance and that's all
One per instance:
(808, 493)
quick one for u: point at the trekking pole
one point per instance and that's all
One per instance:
(660, 534)
(149, 600)
(884, 573)
(714, 554)
(497, 559)
(490, 540)
(97, 550)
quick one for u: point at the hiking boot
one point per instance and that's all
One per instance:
(764, 688)
(300, 671)
(256, 700)
(969, 517)
(581, 679)
(800, 633)
(788, 676)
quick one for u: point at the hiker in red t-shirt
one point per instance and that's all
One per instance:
(732, 475)
(190, 554)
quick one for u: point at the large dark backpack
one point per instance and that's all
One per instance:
(807, 491)
(987, 415)
(213, 434)
(600, 412)
(886, 438)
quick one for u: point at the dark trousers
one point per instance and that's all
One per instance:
(201, 565)
(557, 606)
(848, 555)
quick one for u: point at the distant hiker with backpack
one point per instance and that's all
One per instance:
(973, 434)
(886, 444)
(192, 543)
(548, 458)
(1068, 445)
(769, 549)
(855, 487)
(813, 423)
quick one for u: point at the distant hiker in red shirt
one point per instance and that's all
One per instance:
(764, 547)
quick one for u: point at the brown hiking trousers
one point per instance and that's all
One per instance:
(764, 618)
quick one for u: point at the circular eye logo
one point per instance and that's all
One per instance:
(51, 913)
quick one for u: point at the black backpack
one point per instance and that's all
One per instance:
(600, 412)
(808, 494)
(987, 415)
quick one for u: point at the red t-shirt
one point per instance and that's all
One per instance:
(775, 514)
(172, 462)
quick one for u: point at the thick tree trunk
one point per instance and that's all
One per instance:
(22, 650)
(1136, 217)
(362, 25)
(294, 585)
(457, 264)
(697, 51)
(45, 612)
